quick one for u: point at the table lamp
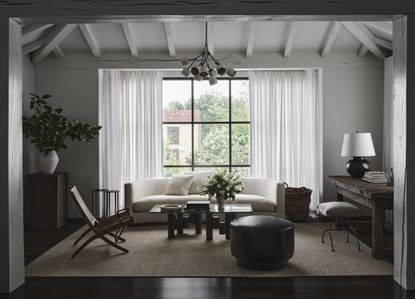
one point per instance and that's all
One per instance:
(358, 145)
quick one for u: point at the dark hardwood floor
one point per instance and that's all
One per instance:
(351, 287)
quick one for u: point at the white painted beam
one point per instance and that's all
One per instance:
(292, 30)
(58, 34)
(126, 27)
(384, 43)
(362, 51)
(386, 28)
(90, 38)
(330, 38)
(29, 30)
(58, 52)
(211, 38)
(168, 28)
(33, 46)
(366, 37)
(251, 39)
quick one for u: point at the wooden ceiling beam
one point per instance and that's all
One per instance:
(330, 38)
(362, 51)
(292, 30)
(384, 43)
(386, 28)
(30, 30)
(128, 32)
(26, 49)
(251, 39)
(58, 52)
(90, 39)
(168, 28)
(366, 37)
(58, 34)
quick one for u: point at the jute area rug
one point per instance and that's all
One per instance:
(152, 254)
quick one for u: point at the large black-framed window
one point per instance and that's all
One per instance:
(206, 127)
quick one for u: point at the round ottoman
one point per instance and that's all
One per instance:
(262, 242)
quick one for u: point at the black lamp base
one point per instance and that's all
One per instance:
(357, 167)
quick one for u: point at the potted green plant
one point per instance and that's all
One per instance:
(222, 186)
(49, 131)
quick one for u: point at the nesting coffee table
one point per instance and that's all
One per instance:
(175, 218)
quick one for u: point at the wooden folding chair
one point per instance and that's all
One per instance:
(112, 226)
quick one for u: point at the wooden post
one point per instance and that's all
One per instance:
(404, 146)
(11, 159)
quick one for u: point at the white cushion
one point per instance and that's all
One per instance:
(198, 178)
(179, 185)
(146, 203)
(259, 203)
(339, 209)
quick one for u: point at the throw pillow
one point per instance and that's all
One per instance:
(179, 185)
(198, 178)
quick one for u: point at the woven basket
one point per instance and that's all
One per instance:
(297, 203)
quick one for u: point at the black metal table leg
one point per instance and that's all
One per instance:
(171, 223)
(209, 227)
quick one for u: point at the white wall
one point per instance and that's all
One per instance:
(352, 100)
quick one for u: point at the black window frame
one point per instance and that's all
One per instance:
(192, 122)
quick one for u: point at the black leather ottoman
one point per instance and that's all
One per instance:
(262, 242)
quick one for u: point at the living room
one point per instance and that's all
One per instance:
(334, 80)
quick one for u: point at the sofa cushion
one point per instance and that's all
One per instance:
(146, 203)
(179, 185)
(198, 178)
(259, 203)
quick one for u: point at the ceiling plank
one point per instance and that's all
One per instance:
(292, 29)
(90, 38)
(366, 37)
(386, 28)
(126, 27)
(362, 51)
(251, 39)
(330, 38)
(33, 46)
(58, 34)
(29, 30)
(384, 43)
(168, 27)
(58, 52)
(211, 38)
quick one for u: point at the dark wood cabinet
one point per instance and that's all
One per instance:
(46, 201)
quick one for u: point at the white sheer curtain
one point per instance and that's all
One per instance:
(388, 115)
(285, 128)
(131, 136)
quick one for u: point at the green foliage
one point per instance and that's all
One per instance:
(222, 184)
(49, 130)
(214, 139)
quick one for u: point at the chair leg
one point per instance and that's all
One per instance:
(84, 245)
(109, 242)
(352, 229)
(329, 229)
(117, 237)
(82, 235)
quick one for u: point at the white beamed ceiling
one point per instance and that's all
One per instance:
(228, 37)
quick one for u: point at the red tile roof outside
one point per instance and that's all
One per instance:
(180, 115)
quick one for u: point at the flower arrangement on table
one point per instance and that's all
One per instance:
(222, 186)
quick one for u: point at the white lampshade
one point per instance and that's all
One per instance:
(358, 145)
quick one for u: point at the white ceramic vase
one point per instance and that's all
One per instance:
(49, 162)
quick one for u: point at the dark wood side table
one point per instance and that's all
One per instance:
(46, 200)
(378, 197)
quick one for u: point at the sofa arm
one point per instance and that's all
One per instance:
(268, 188)
(135, 190)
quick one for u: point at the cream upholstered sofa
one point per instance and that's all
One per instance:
(265, 195)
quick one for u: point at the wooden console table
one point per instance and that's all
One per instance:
(378, 197)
